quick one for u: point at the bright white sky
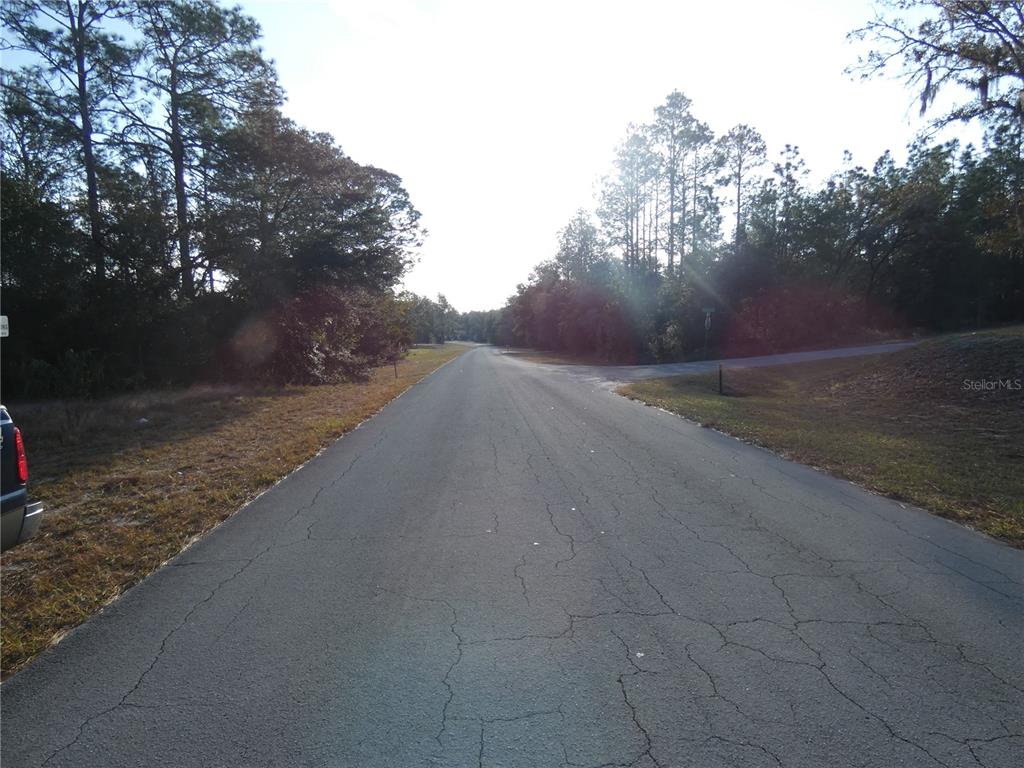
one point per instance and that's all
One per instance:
(500, 118)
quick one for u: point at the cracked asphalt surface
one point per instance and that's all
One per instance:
(512, 566)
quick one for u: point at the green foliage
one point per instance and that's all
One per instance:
(430, 322)
(978, 45)
(580, 250)
(487, 327)
(287, 210)
(157, 256)
(741, 152)
(322, 336)
(937, 243)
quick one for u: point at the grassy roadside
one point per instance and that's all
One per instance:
(904, 424)
(128, 482)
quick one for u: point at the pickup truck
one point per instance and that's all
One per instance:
(20, 519)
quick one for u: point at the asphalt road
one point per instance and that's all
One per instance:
(510, 566)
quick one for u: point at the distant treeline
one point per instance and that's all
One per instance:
(936, 243)
(163, 222)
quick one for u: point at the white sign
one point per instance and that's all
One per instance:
(5, 329)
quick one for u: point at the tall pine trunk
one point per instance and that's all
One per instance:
(671, 220)
(739, 195)
(181, 200)
(88, 151)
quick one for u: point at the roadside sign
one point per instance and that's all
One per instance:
(709, 310)
(5, 329)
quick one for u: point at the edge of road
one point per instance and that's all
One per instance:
(589, 375)
(200, 537)
(233, 514)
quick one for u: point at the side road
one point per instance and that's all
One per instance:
(619, 374)
(940, 424)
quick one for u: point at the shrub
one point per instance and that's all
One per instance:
(321, 336)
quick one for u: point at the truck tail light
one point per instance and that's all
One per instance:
(19, 446)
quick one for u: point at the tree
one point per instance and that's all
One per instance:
(446, 319)
(742, 152)
(80, 62)
(201, 67)
(790, 173)
(705, 213)
(431, 322)
(936, 243)
(1004, 164)
(165, 162)
(289, 210)
(628, 210)
(37, 149)
(978, 44)
(676, 134)
(579, 247)
(138, 229)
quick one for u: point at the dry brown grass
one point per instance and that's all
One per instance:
(128, 482)
(902, 423)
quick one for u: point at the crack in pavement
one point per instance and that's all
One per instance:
(163, 646)
(246, 563)
(759, 605)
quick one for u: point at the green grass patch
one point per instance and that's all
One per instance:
(920, 425)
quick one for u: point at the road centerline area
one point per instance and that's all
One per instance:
(513, 566)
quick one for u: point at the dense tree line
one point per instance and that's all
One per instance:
(163, 221)
(484, 327)
(431, 322)
(934, 243)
